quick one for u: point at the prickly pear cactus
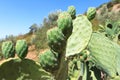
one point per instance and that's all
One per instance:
(49, 60)
(104, 54)
(64, 23)
(91, 12)
(56, 39)
(16, 69)
(8, 49)
(82, 30)
(72, 11)
(21, 48)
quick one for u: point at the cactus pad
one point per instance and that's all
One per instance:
(72, 11)
(91, 12)
(103, 53)
(56, 39)
(21, 48)
(16, 69)
(64, 23)
(8, 49)
(82, 30)
(49, 60)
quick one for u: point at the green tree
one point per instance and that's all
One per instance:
(33, 28)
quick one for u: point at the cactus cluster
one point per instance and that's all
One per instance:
(76, 51)
(8, 49)
(54, 59)
(56, 39)
(49, 60)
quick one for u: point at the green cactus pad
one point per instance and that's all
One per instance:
(49, 60)
(103, 53)
(118, 58)
(116, 78)
(72, 11)
(21, 48)
(16, 69)
(91, 12)
(56, 39)
(64, 23)
(8, 49)
(82, 30)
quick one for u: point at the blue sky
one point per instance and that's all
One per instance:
(16, 16)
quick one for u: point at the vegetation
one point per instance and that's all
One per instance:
(92, 50)
(40, 40)
(78, 48)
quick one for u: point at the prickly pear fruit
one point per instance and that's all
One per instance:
(83, 55)
(21, 48)
(91, 12)
(72, 11)
(49, 60)
(64, 23)
(56, 39)
(8, 49)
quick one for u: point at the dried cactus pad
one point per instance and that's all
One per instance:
(21, 48)
(104, 53)
(82, 30)
(8, 49)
